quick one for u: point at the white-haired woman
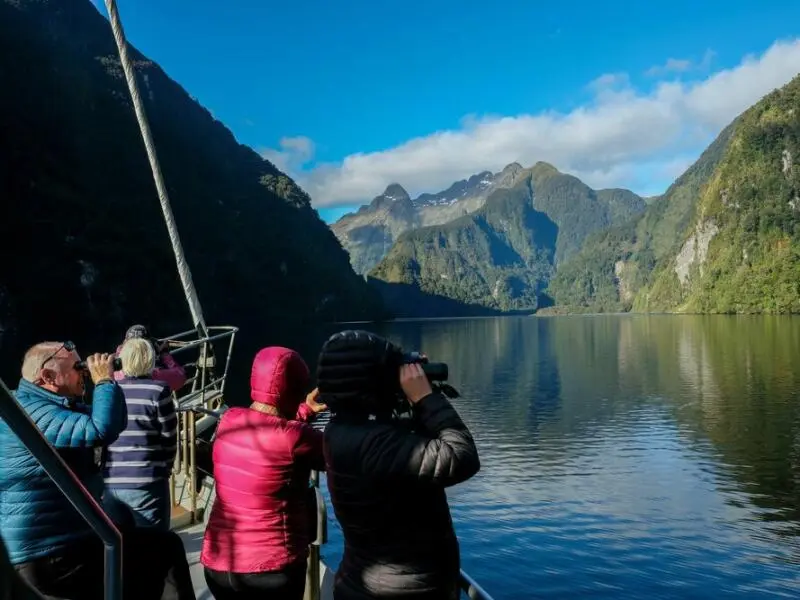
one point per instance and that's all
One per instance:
(138, 464)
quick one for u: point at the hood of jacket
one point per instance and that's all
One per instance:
(279, 378)
(358, 373)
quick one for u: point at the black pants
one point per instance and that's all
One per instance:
(154, 568)
(288, 584)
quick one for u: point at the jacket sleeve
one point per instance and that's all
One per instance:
(106, 419)
(168, 424)
(304, 413)
(173, 374)
(443, 453)
(308, 447)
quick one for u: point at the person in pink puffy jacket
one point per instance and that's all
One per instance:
(256, 541)
(167, 368)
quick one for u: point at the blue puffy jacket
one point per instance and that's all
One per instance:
(35, 518)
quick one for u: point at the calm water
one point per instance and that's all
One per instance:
(625, 456)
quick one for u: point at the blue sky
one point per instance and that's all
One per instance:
(350, 96)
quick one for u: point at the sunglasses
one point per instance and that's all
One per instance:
(68, 346)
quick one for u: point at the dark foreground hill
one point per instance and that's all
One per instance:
(85, 249)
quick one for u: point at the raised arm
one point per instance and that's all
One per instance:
(449, 456)
(443, 453)
(106, 418)
(309, 409)
(172, 372)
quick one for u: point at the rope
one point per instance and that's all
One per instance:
(144, 127)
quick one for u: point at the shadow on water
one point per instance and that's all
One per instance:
(625, 456)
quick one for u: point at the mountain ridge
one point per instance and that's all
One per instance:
(368, 233)
(502, 255)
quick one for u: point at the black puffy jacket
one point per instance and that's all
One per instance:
(387, 481)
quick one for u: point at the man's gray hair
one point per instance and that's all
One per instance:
(32, 362)
(138, 358)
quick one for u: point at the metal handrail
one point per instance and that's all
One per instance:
(203, 390)
(322, 512)
(32, 438)
(473, 590)
(217, 414)
(180, 346)
(202, 393)
(314, 573)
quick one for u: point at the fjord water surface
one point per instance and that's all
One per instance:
(625, 456)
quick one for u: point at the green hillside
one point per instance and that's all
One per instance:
(503, 255)
(724, 238)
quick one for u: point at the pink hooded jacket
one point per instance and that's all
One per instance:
(262, 463)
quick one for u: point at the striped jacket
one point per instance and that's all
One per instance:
(144, 452)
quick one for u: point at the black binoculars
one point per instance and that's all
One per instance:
(82, 366)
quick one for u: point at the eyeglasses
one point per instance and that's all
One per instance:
(68, 346)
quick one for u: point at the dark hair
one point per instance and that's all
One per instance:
(137, 331)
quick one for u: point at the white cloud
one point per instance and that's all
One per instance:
(624, 137)
(609, 81)
(681, 65)
(295, 152)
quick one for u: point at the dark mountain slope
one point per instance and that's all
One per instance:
(92, 253)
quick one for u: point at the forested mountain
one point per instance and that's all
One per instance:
(724, 238)
(369, 233)
(503, 255)
(86, 251)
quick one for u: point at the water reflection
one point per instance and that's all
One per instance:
(625, 456)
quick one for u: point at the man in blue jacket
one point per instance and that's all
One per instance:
(48, 542)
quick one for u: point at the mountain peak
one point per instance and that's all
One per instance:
(395, 191)
(514, 167)
(543, 169)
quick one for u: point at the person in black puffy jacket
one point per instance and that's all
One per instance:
(387, 476)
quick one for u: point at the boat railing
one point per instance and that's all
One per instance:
(197, 404)
(314, 572)
(70, 486)
(206, 386)
(471, 588)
